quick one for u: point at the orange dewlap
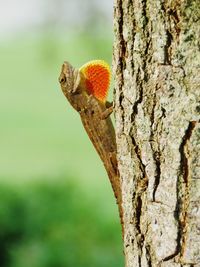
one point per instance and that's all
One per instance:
(97, 74)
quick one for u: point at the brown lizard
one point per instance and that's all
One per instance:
(86, 90)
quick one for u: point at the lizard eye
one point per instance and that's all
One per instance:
(62, 79)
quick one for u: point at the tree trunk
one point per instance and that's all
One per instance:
(157, 100)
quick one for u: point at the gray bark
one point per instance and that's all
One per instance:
(156, 66)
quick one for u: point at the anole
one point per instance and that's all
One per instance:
(86, 89)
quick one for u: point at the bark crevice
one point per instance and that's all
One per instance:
(183, 191)
(156, 157)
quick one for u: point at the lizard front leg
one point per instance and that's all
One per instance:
(108, 111)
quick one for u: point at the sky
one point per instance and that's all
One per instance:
(19, 15)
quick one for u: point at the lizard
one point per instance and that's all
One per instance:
(86, 89)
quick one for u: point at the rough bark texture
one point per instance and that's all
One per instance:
(156, 68)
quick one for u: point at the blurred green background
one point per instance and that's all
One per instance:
(56, 204)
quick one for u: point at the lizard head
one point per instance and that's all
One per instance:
(69, 79)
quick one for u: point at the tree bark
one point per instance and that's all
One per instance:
(156, 66)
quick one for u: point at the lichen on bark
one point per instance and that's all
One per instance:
(156, 65)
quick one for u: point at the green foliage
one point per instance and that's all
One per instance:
(55, 224)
